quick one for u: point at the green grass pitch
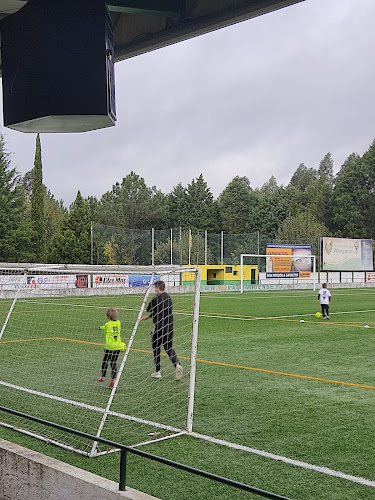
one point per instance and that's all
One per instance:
(298, 392)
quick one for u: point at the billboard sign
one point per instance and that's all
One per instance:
(126, 280)
(38, 281)
(344, 254)
(296, 263)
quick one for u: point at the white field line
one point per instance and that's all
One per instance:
(290, 461)
(43, 438)
(91, 407)
(204, 315)
(273, 294)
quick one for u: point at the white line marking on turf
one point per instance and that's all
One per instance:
(290, 461)
(90, 407)
(203, 315)
(272, 293)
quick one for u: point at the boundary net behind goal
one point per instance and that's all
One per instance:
(52, 353)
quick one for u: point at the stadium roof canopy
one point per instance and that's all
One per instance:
(140, 26)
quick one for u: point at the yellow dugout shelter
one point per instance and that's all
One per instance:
(224, 274)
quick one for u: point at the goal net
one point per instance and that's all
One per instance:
(277, 269)
(52, 353)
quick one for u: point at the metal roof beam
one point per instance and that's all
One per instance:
(166, 8)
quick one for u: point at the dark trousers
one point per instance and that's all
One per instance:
(110, 357)
(325, 310)
(163, 338)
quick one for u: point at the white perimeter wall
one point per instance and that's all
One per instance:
(26, 474)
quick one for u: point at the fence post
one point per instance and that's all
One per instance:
(222, 247)
(171, 246)
(123, 463)
(190, 242)
(180, 246)
(92, 243)
(205, 248)
(152, 245)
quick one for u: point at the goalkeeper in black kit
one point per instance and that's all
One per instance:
(160, 309)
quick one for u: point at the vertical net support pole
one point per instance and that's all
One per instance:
(11, 308)
(193, 354)
(124, 359)
(8, 315)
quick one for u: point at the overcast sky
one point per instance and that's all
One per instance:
(256, 99)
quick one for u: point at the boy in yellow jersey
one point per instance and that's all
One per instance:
(113, 344)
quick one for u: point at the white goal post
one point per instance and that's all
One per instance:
(280, 256)
(53, 353)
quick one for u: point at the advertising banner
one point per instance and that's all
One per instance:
(295, 264)
(126, 280)
(344, 254)
(37, 281)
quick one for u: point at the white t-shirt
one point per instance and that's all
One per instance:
(324, 295)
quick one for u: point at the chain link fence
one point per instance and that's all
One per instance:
(177, 246)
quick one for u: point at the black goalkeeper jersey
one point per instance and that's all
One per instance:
(160, 309)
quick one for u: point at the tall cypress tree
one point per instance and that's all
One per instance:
(38, 206)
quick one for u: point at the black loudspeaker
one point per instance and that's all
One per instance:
(58, 66)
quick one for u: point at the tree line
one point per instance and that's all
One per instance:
(35, 227)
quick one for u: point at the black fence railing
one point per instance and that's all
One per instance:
(124, 450)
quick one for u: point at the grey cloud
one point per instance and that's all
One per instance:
(254, 99)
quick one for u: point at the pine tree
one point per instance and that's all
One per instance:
(368, 162)
(38, 194)
(326, 169)
(178, 211)
(235, 205)
(303, 177)
(15, 227)
(350, 199)
(202, 209)
(73, 244)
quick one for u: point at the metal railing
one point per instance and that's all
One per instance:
(124, 450)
